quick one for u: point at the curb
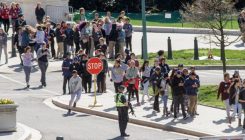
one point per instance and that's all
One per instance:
(155, 29)
(27, 135)
(212, 67)
(134, 121)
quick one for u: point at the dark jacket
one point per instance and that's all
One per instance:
(242, 96)
(178, 90)
(223, 90)
(59, 37)
(83, 68)
(25, 39)
(66, 72)
(155, 79)
(76, 36)
(114, 33)
(39, 13)
(188, 86)
(19, 23)
(77, 67)
(164, 69)
(69, 36)
(232, 97)
(51, 33)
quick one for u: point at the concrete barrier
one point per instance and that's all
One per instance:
(133, 120)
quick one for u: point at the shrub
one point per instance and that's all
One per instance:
(6, 101)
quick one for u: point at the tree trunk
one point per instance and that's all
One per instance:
(223, 59)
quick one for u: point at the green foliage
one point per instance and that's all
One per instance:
(208, 96)
(6, 101)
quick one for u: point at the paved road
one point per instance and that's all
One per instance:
(158, 41)
(51, 123)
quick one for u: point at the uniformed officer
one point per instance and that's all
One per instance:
(122, 108)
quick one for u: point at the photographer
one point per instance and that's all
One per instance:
(43, 55)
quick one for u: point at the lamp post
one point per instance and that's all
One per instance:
(145, 52)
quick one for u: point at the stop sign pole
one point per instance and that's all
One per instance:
(94, 66)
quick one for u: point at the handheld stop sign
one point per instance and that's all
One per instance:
(94, 65)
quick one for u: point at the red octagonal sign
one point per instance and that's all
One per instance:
(94, 65)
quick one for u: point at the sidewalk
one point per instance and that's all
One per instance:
(210, 122)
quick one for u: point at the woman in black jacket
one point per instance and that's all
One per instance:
(76, 38)
(39, 12)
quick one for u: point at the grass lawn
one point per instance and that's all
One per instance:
(231, 25)
(234, 57)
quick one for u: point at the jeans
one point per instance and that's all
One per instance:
(165, 100)
(4, 47)
(227, 107)
(43, 67)
(237, 109)
(27, 70)
(145, 90)
(74, 95)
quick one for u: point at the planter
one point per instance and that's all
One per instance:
(8, 117)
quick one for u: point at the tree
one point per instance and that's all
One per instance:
(214, 15)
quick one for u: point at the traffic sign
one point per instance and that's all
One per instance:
(94, 65)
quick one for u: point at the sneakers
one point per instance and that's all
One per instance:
(185, 117)
(28, 86)
(69, 111)
(125, 135)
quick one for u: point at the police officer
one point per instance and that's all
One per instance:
(122, 108)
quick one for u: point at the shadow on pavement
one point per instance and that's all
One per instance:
(83, 115)
(231, 129)
(118, 138)
(151, 115)
(71, 114)
(13, 66)
(220, 121)
(6, 134)
(110, 109)
(19, 89)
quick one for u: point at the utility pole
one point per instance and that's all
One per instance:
(145, 52)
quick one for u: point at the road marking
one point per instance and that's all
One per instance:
(21, 83)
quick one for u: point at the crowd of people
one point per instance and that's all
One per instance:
(109, 38)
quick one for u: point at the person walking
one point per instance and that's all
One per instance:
(117, 73)
(3, 45)
(28, 59)
(131, 75)
(43, 54)
(164, 91)
(234, 100)
(75, 85)
(128, 28)
(86, 76)
(156, 82)
(40, 13)
(112, 40)
(191, 85)
(242, 100)
(145, 70)
(178, 93)
(66, 71)
(122, 109)
(51, 35)
(60, 41)
(223, 92)
(5, 17)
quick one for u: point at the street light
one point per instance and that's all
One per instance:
(144, 45)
